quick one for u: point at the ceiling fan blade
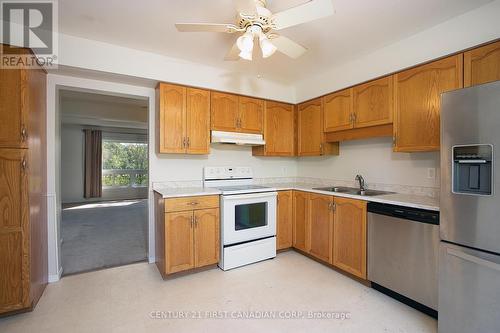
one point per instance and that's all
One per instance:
(233, 53)
(205, 27)
(310, 11)
(246, 7)
(288, 47)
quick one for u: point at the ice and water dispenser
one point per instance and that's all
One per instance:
(473, 169)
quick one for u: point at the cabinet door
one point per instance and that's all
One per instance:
(284, 230)
(179, 241)
(206, 237)
(172, 118)
(338, 111)
(417, 94)
(310, 128)
(321, 226)
(251, 115)
(13, 109)
(14, 231)
(198, 121)
(279, 130)
(373, 103)
(349, 236)
(301, 220)
(482, 65)
(224, 112)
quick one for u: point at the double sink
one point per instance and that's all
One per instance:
(352, 190)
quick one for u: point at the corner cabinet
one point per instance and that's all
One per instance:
(186, 237)
(183, 120)
(23, 188)
(311, 138)
(482, 65)
(279, 130)
(233, 113)
(417, 100)
(349, 236)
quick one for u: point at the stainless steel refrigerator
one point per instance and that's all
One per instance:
(469, 261)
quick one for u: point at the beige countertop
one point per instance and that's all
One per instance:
(407, 200)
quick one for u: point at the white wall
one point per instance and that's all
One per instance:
(375, 160)
(459, 33)
(72, 164)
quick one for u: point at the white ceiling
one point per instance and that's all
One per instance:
(358, 28)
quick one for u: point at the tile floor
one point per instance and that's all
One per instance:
(128, 298)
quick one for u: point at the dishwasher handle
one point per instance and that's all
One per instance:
(406, 213)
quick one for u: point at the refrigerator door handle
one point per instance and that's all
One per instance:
(473, 259)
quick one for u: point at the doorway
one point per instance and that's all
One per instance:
(104, 180)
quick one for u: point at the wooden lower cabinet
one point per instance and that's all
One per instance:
(186, 238)
(301, 220)
(349, 236)
(206, 237)
(321, 226)
(284, 225)
(179, 241)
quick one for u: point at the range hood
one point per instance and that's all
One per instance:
(244, 139)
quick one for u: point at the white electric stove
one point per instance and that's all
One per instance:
(248, 216)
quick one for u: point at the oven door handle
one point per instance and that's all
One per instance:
(265, 195)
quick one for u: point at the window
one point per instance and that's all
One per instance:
(124, 164)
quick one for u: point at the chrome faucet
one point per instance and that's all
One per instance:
(361, 181)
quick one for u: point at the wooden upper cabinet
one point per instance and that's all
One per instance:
(179, 241)
(349, 233)
(310, 118)
(183, 121)
(279, 130)
(284, 226)
(338, 111)
(224, 112)
(321, 225)
(482, 65)
(172, 114)
(206, 237)
(13, 109)
(250, 115)
(417, 96)
(198, 121)
(301, 237)
(373, 103)
(311, 138)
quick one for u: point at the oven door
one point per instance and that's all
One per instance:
(247, 217)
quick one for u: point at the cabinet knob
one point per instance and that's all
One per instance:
(24, 134)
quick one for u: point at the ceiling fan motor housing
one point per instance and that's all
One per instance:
(262, 19)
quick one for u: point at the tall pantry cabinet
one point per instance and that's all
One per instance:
(23, 188)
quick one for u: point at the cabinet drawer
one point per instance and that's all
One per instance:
(191, 203)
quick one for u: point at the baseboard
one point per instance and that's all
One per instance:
(56, 277)
(151, 259)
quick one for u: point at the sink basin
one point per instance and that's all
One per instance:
(352, 190)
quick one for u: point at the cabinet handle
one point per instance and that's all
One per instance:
(193, 203)
(187, 142)
(195, 221)
(192, 221)
(24, 164)
(354, 117)
(333, 206)
(24, 134)
(394, 141)
(184, 142)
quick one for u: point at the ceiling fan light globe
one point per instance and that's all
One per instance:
(246, 55)
(267, 47)
(245, 42)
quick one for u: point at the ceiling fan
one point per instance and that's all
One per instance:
(254, 20)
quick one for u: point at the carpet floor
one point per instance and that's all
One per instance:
(104, 234)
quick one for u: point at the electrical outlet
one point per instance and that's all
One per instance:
(431, 173)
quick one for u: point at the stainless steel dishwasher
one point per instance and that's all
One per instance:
(403, 251)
